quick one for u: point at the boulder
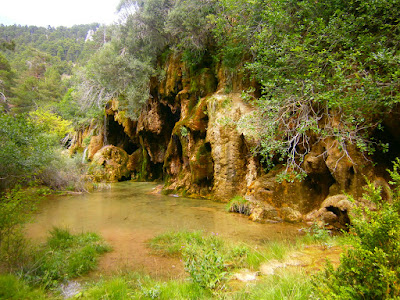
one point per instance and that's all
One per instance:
(291, 215)
(109, 164)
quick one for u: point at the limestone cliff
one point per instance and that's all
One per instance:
(188, 136)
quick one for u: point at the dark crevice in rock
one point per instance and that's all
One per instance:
(383, 160)
(116, 136)
(343, 220)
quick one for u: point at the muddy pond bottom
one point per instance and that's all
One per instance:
(127, 216)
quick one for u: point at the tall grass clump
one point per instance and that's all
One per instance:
(14, 288)
(172, 243)
(65, 256)
(239, 205)
(204, 257)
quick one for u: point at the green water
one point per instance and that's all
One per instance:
(127, 216)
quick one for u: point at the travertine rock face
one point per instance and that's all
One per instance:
(229, 150)
(96, 143)
(188, 136)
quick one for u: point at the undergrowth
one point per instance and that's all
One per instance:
(209, 259)
(370, 268)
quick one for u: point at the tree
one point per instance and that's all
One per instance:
(6, 81)
(24, 149)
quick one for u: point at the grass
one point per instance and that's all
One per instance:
(171, 243)
(289, 286)
(209, 260)
(239, 205)
(137, 286)
(12, 287)
(65, 256)
(237, 255)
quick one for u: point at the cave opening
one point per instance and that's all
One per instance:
(343, 220)
(383, 159)
(116, 136)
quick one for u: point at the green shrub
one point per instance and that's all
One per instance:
(206, 265)
(370, 269)
(202, 255)
(16, 208)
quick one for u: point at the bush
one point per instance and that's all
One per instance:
(204, 256)
(370, 269)
(24, 149)
(206, 264)
(63, 173)
(16, 207)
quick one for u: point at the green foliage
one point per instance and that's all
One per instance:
(326, 69)
(16, 207)
(46, 121)
(318, 233)
(7, 77)
(29, 150)
(206, 264)
(65, 256)
(172, 243)
(13, 288)
(184, 131)
(24, 150)
(370, 268)
(66, 42)
(136, 286)
(240, 205)
(282, 286)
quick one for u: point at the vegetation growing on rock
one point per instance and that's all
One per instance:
(292, 104)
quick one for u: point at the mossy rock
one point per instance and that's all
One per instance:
(110, 163)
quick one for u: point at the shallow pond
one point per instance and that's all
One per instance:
(127, 216)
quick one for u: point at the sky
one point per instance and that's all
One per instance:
(57, 12)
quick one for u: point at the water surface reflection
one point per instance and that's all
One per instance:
(126, 215)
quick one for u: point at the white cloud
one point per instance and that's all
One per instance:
(56, 12)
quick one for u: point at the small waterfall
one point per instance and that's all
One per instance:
(105, 142)
(84, 156)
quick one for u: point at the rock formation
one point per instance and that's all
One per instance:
(188, 136)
